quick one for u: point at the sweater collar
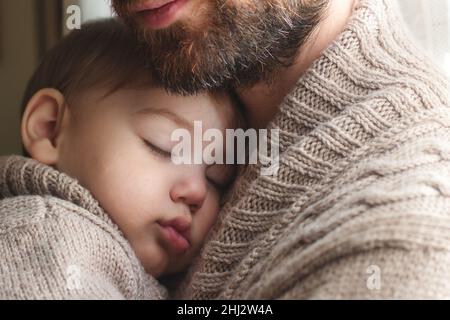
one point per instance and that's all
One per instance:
(20, 176)
(363, 61)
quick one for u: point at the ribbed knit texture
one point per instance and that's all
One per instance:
(56, 242)
(364, 181)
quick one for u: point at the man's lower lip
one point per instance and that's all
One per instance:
(175, 239)
(163, 16)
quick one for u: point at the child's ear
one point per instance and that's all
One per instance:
(41, 124)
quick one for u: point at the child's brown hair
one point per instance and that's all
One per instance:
(103, 54)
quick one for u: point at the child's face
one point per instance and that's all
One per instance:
(105, 144)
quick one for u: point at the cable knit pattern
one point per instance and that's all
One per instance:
(364, 181)
(56, 242)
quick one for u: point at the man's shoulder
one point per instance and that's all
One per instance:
(418, 144)
(394, 193)
(388, 209)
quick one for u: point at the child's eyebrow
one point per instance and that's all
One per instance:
(182, 122)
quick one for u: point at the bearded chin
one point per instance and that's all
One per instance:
(188, 62)
(232, 48)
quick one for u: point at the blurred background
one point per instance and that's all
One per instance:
(28, 28)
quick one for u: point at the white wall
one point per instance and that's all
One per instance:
(91, 9)
(429, 24)
(94, 9)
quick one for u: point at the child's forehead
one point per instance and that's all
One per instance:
(185, 110)
(211, 110)
(187, 119)
(175, 117)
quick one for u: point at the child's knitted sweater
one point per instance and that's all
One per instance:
(56, 242)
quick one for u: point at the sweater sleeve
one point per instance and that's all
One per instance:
(383, 238)
(401, 252)
(385, 273)
(52, 249)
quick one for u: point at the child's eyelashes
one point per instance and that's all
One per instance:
(216, 182)
(158, 151)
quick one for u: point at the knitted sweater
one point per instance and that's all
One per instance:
(56, 242)
(360, 207)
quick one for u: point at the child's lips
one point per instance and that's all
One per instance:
(176, 240)
(176, 233)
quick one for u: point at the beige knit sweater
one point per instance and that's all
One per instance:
(361, 205)
(57, 243)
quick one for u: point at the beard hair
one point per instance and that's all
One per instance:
(234, 46)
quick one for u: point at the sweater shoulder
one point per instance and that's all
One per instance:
(394, 195)
(388, 211)
(27, 210)
(399, 182)
(55, 249)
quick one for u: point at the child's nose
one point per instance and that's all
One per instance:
(191, 191)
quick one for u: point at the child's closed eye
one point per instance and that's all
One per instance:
(219, 176)
(157, 151)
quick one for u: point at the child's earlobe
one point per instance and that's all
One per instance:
(41, 124)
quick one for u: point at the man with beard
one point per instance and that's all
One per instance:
(360, 206)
